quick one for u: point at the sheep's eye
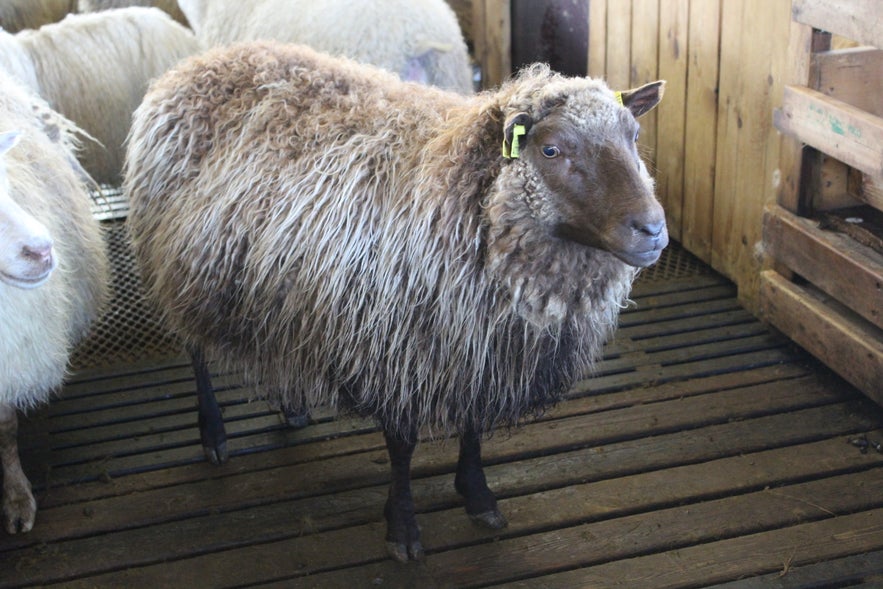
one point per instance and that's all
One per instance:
(551, 151)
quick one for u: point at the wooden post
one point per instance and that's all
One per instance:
(491, 25)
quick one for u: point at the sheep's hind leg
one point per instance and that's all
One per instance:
(402, 532)
(19, 506)
(470, 482)
(296, 418)
(211, 422)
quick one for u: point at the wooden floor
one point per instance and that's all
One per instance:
(706, 451)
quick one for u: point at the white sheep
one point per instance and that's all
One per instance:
(169, 6)
(94, 69)
(53, 272)
(16, 15)
(346, 238)
(420, 40)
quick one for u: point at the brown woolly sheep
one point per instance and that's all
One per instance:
(53, 272)
(346, 238)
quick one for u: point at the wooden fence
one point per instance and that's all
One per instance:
(719, 160)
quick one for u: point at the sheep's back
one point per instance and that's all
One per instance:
(95, 68)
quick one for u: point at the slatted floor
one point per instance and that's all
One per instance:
(707, 450)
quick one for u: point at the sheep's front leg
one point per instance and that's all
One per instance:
(470, 482)
(402, 532)
(211, 422)
(19, 506)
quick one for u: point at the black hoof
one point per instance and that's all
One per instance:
(493, 520)
(403, 553)
(297, 419)
(216, 454)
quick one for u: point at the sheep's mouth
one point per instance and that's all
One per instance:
(640, 259)
(25, 282)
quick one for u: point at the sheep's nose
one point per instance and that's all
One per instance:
(653, 229)
(39, 251)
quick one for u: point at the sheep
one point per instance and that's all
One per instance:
(169, 6)
(420, 40)
(53, 272)
(344, 238)
(16, 15)
(94, 69)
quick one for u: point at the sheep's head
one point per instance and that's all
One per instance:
(26, 256)
(586, 181)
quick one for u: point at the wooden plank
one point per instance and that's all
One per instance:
(604, 499)
(859, 20)
(870, 190)
(850, 273)
(827, 185)
(703, 46)
(771, 552)
(753, 70)
(492, 31)
(619, 44)
(833, 126)
(597, 38)
(645, 68)
(582, 546)
(788, 183)
(842, 572)
(852, 75)
(671, 112)
(851, 348)
(724, 417)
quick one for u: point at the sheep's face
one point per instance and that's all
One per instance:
(26, 256)
(596, 190)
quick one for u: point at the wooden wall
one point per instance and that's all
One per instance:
(718, 159)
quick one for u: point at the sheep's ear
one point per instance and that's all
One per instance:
(642, 100)
(517, 125)
(8, 140)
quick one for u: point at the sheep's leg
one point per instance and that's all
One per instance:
(402, 532)
(19, 506)
(211, 422)
(297, 418)
(470, 482)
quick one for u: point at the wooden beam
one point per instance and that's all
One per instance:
(841, 130)
(619, 44)
(851, 347)
(859, 20)
(700, 129)
(597, 38)
(851, 75)
(849, 272)
(491, 24)
(802, 40)
(672, 111)
(645, 68)
(754, 70)
(870, 191)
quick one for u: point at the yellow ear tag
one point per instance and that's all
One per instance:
(513, 151)
(618, 96)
